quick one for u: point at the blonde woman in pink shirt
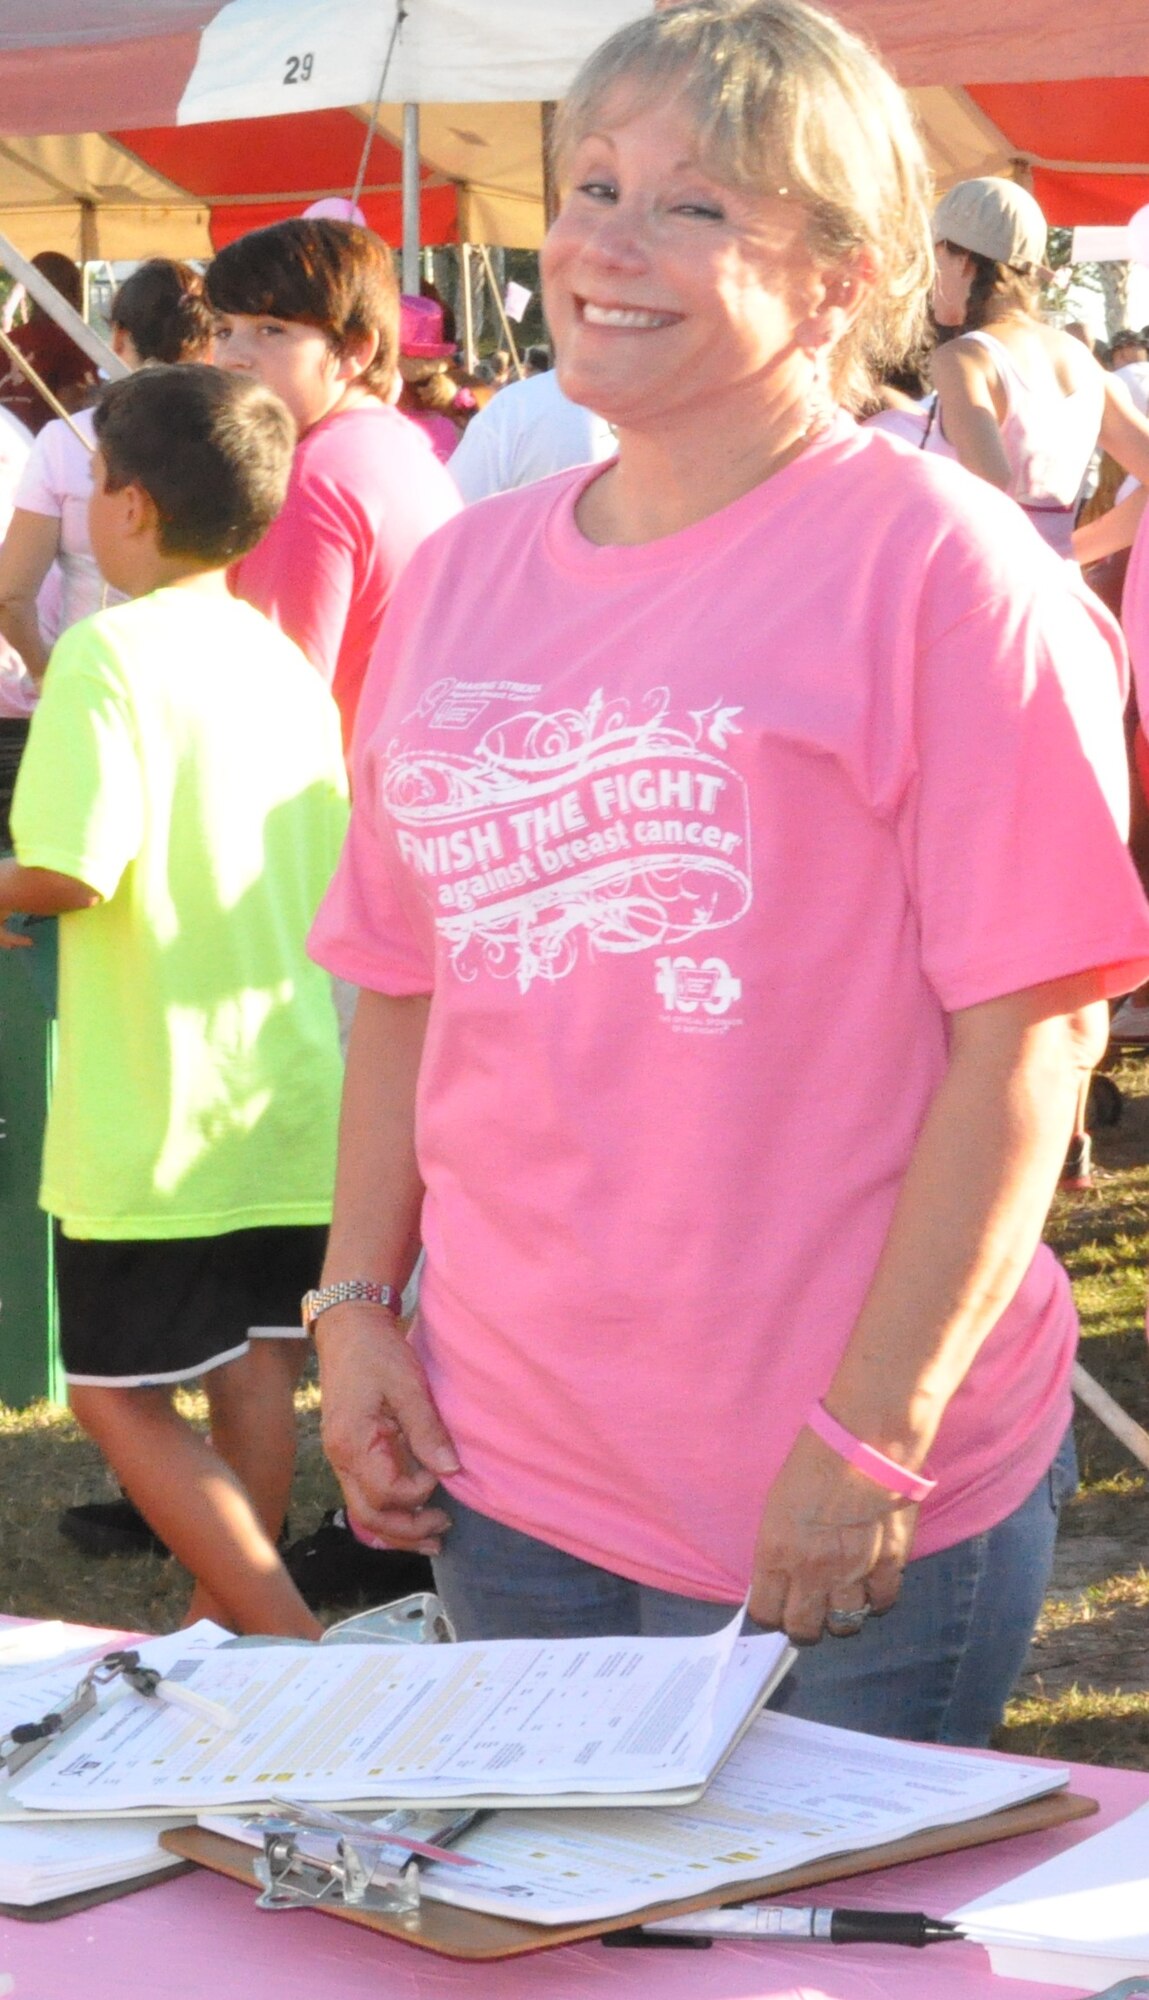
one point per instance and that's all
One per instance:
(735, 883)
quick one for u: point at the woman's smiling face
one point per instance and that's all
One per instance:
(665, 288)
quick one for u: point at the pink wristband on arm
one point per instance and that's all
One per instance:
(863, 1457)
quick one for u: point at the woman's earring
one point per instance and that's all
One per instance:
(819, 402)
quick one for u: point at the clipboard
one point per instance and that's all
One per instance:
(473, 1935)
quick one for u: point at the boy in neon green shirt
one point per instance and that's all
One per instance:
(181, 805)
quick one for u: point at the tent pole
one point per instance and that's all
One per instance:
(57, 308)
(1123, 1427)
(8, 346)
(501, 310)
(550, 185)
(468, 309)
(89, 234)
(411, 216)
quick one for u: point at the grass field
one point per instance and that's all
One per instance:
(1085, 1694)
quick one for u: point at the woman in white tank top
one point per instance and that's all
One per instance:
(1019, 403)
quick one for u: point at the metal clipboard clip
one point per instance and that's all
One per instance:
(27, 1739)
(418, 1620)
(301, 1867)
(311, 1856)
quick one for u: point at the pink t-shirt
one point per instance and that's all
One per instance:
(365, 490)
(441, 434)
(697, 844)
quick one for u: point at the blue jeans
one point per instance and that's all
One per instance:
(938, 1668)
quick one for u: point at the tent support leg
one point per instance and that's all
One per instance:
(550, 184)
(411, 216)
(468, 308)
(496, 294)
(1123, 1427)
(57, 308)
(22, 363)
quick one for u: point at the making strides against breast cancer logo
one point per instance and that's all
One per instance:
(597, 829)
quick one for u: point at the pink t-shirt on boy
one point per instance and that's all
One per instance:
(697, 844)
(365, 490)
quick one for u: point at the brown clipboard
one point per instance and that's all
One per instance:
(471, 1934)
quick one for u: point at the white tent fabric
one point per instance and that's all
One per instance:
(90, 75)
(310, 55)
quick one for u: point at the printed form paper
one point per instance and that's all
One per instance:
(790, 1792)
(47, 1669)
(522, 1718)
(1089, 1904)
(42, 1668)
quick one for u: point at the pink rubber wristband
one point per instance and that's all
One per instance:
(863, 1457)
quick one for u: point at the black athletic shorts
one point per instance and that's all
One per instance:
(134, 1313)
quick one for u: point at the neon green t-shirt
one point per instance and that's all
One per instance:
(185, 762)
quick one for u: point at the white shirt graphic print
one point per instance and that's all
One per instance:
(614, 828)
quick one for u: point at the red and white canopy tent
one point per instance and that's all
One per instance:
(137, 125)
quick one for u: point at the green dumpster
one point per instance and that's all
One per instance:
(29, 1346)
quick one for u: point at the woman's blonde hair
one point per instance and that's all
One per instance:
(786, 101)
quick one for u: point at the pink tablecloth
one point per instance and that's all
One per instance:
(201, 1938)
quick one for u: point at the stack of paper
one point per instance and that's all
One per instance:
(579, 1721)
(1081, 1919)
(791, 1792)
(43, 1855)
(61, 1857)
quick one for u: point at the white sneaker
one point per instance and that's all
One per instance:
(1130, 1023)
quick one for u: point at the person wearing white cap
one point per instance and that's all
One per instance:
(1020, 403)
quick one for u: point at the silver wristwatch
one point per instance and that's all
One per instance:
(344, 1293)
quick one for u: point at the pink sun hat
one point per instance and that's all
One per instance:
(335, 208)
(421, 329)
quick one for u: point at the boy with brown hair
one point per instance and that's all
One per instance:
(181, 806)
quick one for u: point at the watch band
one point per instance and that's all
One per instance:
(344, 1293)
